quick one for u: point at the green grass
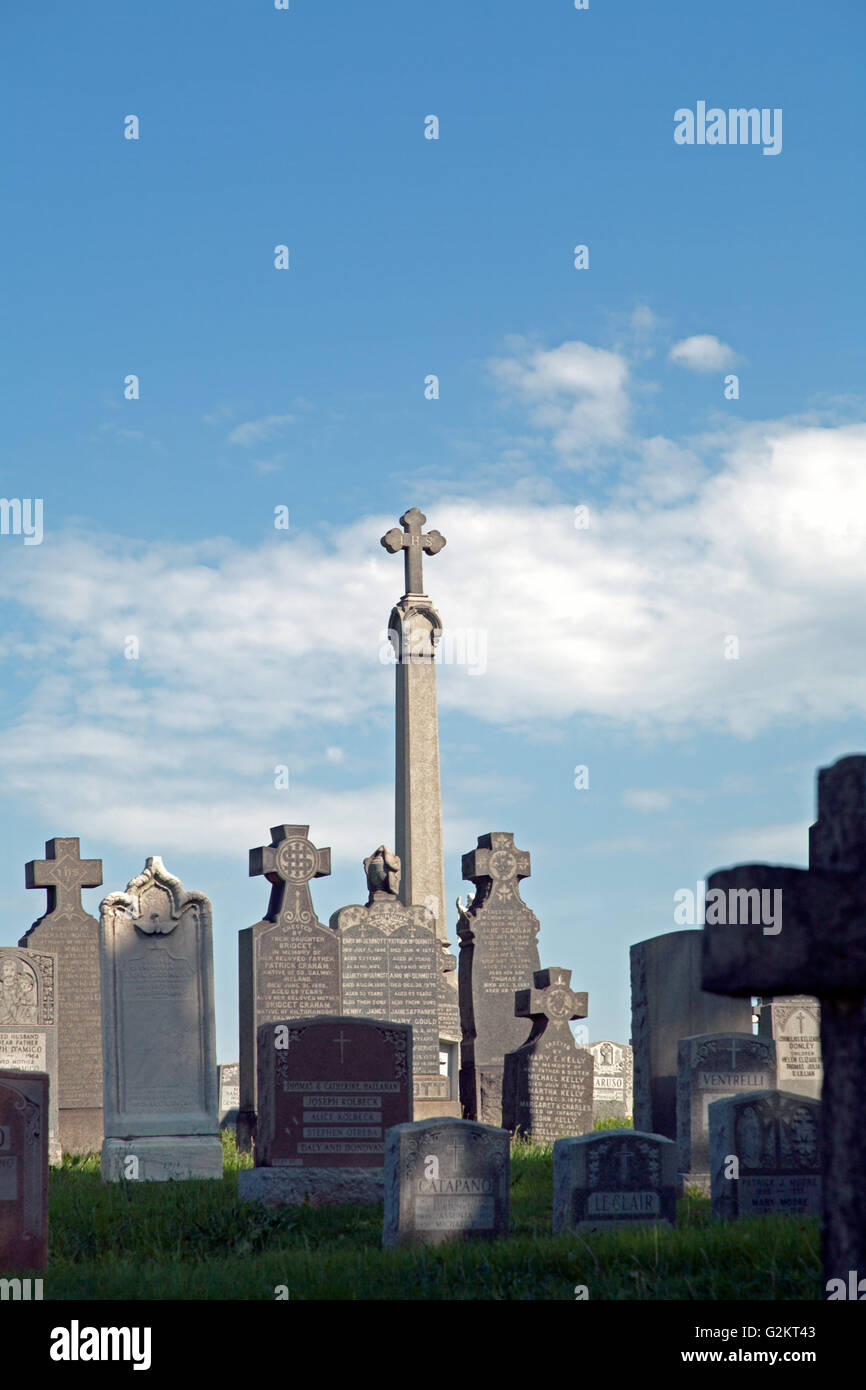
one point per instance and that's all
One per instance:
(194, 1240)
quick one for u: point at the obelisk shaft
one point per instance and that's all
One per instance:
(417, 799)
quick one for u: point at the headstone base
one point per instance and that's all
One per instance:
(162, 1159)
(81, 1131)
(699, 1180)
(315, 1187)
(432, 1109)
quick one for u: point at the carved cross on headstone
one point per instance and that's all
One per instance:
(63, 873)
(288, 864)
(820, 950)
(552, 1001)
(495, 867)
(412, 540)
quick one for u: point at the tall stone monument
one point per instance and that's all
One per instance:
(390, 966)
(547, 1085)
(668, 1003)
(414, 628)
(72, 935)
(28, 1024)
(498, 955)
(289, 963)
(159, 1039)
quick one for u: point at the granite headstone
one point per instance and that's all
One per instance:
(612, 1080)
(229, 1094)
(159, 1057)
(289, 963)
(547, 1084)
(765, 1154)
(712, 1066)
(498, 955)
(28, 1023)
(445, 1179)
(24, 1104)
(619, 1177)
(793, 1021)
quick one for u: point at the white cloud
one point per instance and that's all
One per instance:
(702, 353)
(575, 391)
(763, 844)
(253, 431)
(646, 799)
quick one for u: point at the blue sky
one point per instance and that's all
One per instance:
(304, 388)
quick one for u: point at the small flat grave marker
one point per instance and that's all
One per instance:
(445, 1179)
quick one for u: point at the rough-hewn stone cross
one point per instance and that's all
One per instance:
(414, 543)
(288, 864)
(820, 950)
(63, 873)
(551, 1001)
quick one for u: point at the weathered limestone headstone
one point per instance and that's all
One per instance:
(28, 1023)
(498, 955)
(765, 1154)
(289, 963)
(390, 965)
(547, 1086)
(612, 1081)
(712, 1066)
(158, 1031)
(329, 1088)
(24, 1104)
(72, 935)
(445, 1180)
(668, 1003)
(794, 1023)
(617, 1177)
(819, 950)
(229, 1094)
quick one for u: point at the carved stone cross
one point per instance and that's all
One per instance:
(288, 864)
(64, 874)
(820, 950)
(551, 1001)
(412, 540)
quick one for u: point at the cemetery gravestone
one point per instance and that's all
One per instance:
(445, 1179)
(498, 955)
(547, 1085)
(289, 963)
(72, 935)
(669, 1003)
(774, 1138)
(821, 951)
(28, 1024)
(329, 1088)
(229, 1095)
(23, 1170)
(794, 1023)
(712, 1066)
(390, 965)
(619, 1177)
(158, 1030)
(612, 1080)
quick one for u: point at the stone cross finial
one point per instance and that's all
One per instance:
(289, 863)
(496, 867)
(414, 543)
(552, 1000)
(63, 873)
(815, 945)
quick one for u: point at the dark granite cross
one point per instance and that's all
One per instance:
(820, 950)
(495, 867)
(63, 873)
(414, 542)
(288, 863)
(551, 1001)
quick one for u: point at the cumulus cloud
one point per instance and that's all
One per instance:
(254, 431)
(702, 353)
(575, 391)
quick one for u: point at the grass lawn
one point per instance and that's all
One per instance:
(194, 1240)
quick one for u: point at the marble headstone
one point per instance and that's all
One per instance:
(445, 1179)
(774, 1140)
(289, 963)
(612, 1080)
(547, 1084)
(72, 935)
(668, 1003)
(28, 1023)
(498, 955)
(712, 1066)
(793, 1021)
(159, 1056)
(228, 1094)
(23, 1170)
(618, 1177)
(390, 965)
(329, 1088)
